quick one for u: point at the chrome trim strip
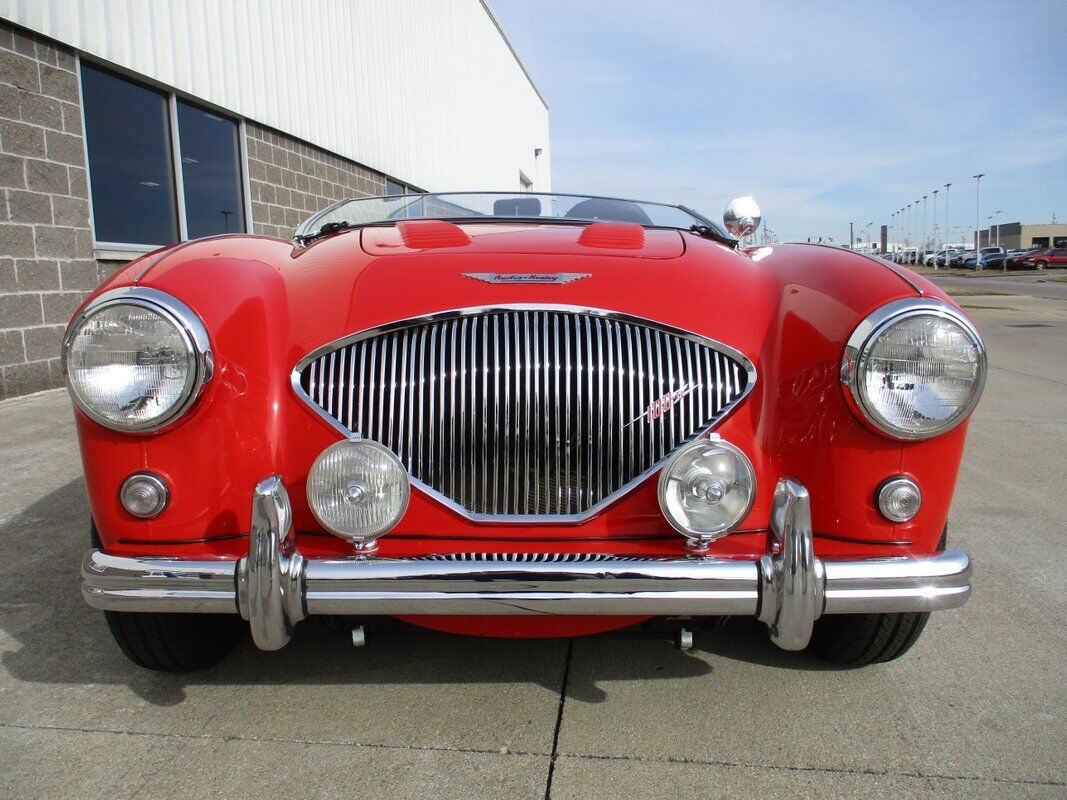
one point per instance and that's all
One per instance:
(199, 356)
(857, 347)
(275, 587)
(560, 511)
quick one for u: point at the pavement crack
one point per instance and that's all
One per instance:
(795, 768)
(559, 719)
(213, 737)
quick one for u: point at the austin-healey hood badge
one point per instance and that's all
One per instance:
(526, 277)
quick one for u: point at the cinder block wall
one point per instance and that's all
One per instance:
(47, 261)
(290, 180)
(46, 249)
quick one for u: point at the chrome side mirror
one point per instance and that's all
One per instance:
(742, 216)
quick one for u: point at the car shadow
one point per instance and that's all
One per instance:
(55, 638)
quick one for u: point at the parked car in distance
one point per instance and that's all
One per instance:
(928, 257)
(1016, 259)
(994, 260)
(941, 256)
(1048, 257)
(957, 258)
(519, 415)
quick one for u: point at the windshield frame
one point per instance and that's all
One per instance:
(310, 227)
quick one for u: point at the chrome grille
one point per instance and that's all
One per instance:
(526, 412)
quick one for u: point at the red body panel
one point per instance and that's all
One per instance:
(266, 305)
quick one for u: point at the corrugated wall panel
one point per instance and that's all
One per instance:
(426, 91)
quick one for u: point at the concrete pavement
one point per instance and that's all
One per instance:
(976, 709)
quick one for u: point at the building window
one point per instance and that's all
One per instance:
(394, 188)
(211, 172)
(525, 184)
(161, 169)
(127, 134)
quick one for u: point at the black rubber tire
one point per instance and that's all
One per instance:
(1042, 265)
(856, 640)
(173, 642)
(859, 639)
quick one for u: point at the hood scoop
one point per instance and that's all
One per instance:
(613, 236)
(425, 234)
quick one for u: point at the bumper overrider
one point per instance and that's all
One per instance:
(275, 586)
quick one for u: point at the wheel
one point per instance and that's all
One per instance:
(173, 642)
(1042, 264)
(856, 640)
(860, 639)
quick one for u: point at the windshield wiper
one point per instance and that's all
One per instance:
(325, 230)
(708, 232)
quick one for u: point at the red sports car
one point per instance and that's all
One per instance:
(519, 415)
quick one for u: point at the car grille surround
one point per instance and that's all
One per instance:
(526, 413)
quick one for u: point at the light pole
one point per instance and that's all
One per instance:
(924, 227)
(917, 243)
(977, 218)
(907, 230)
(1004, 257)
(869, 243)
(936, 244)
(851, 238)
(948, 233)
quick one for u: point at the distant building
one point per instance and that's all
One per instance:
(1016, 236)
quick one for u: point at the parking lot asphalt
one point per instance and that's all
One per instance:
(1048, 284)
(977, 709)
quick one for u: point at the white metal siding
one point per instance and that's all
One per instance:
(426, 91)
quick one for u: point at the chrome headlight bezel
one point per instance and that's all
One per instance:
(857, 353)
(199, 358)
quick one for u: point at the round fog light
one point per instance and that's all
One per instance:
(144, 495)
(899, 499)
(358, 490)
(706, 490)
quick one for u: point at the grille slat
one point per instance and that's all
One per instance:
(517, 413)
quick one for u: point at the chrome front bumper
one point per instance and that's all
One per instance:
(275, 587)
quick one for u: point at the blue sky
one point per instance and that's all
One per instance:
(826, 112)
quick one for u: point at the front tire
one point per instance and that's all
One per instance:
(856, 640)
(173, 642)
(1042, 264)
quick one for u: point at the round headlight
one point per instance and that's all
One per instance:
(358, 490)
(915, 369)
(706, 490)
(135, 359)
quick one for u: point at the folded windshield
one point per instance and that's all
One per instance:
(475, 206)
